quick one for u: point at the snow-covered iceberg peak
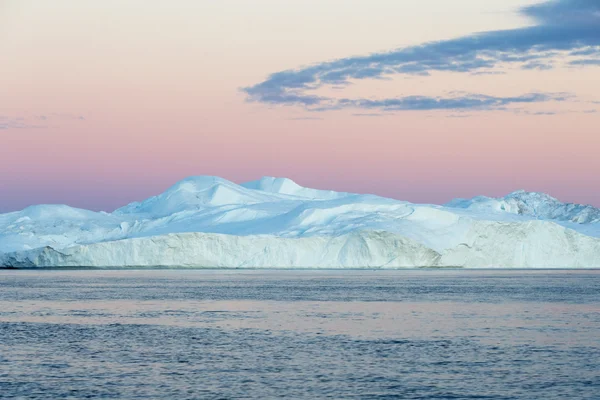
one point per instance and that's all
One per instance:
(55, 212)
(274, 185)
(531, 204)
(288, 187)
(195, 193)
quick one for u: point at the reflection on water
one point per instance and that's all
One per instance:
(300, 334)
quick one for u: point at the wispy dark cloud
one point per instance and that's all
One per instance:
(458, 116)
(544, 113)
(35, 121)
(586, 62)
(468, 101)
(476, 73)
(7, 122)
(305, 119)
(590, 51)
(537, 65)
(371, 114)
(560, 25)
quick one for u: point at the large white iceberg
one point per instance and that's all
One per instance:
(275, 223)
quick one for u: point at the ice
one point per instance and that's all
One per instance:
(274, 222)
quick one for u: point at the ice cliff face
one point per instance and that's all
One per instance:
(355, 250)
(273, 222)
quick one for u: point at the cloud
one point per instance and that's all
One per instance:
(17, 123)
(590, 51)
(370, 114)
(537, 65)
(488, 73)
(469, 102)
(544, 113)
(35, 121)
(458, 116)
(561, 25)
(585, 62)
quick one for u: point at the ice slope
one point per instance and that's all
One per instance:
(276, 223)
(536, 205)
(197, 193)
(58, 226)
(289, 187)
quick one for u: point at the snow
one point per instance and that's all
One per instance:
(537, 205)
(356, 250)
(289, 187)
(274, 222)
(197, 193)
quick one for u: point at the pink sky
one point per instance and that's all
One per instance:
(104, 103)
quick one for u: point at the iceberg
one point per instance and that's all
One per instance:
(210, 222)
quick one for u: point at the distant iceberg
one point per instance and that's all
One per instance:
(211, 222)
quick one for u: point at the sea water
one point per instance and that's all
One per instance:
(414, 334)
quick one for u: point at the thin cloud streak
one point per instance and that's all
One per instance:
(36, 121)
(581, 63)
(20, 123)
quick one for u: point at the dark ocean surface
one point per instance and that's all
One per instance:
(414, 334)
